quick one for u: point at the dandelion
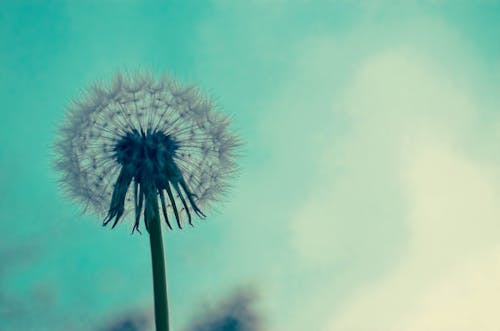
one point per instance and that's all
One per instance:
(142, 148)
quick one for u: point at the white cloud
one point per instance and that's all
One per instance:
(405, 178)
(394, 101)
(465, 299)
(453, 217)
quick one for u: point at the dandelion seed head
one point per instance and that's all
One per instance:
(142, 137)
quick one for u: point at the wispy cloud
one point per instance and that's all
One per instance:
(405, 188)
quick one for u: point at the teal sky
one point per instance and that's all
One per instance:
(369, 191)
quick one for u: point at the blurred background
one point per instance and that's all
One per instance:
(369, 193)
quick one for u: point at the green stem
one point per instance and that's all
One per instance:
(152, 217)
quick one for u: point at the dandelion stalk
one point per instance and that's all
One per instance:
(152, 217)
(125, 147)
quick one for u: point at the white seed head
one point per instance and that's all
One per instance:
(139, 134)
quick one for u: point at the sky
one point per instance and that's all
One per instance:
(368, 196)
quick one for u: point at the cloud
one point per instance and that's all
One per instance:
(394, 101)
(465, 299)
(405, 188)
(235, 313)
(453, 217)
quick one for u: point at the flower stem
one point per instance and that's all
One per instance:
(152, 217)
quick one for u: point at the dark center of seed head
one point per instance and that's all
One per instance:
(142, 149)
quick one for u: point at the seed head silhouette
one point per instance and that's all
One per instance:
(145, 139)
